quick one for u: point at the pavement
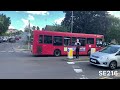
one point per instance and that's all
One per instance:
(81, 58)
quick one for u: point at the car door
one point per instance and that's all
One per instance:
(118, 58)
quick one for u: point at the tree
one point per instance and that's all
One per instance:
(26, 29)
(114, 29)
(95, 22)
(4, 23)
(60, 28)
(33, 28)
(38, 28)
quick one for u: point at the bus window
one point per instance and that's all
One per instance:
(47, 39)
(82, 41)
(40, 38)
(90, 40)
(73, 41)
(57, 40)
(67, 41)
(99, 42)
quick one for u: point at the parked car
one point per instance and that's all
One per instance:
(12, 40)
(107, 57)
(1, 40)
(4, 39)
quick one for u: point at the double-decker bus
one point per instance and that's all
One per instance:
(56, 43)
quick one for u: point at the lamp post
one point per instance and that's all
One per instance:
(72, 22)
(29, 35)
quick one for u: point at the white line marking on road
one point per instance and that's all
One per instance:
(10, 51)
(17, 51)
(75, 67)
(78, 70)
(2, 51)
(71, 62)
(83, 77)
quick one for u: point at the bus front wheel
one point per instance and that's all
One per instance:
(57, 53)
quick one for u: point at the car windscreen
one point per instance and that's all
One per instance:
(110, 49)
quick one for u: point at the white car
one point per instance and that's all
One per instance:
(107, 57)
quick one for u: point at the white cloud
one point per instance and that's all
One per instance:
(38, 12)
(59, 20)
(25, 21)
(11, 27)
(30, 17)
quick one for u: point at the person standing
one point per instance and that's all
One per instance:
(77, 43)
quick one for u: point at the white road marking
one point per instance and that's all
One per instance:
(10, 51)
(17, 51)
(2, 51)
(83, 77)
(75, 67)
(78, 70)
(71, 62)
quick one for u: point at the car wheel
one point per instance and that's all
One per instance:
(113, 65)
(57, 53)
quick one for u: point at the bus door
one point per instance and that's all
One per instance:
(67, 44)
(73, 40)
(99, 43)
(83, 45)
(58, 44)
(90, 44)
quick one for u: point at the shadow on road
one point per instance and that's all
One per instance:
(99, 67)
(102, 68)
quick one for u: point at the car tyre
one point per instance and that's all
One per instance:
(113, 65)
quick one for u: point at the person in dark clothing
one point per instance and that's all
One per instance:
(77, 48)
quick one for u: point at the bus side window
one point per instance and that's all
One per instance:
(47, 39)
(99, 42)
(57, 41)
(67, 41)
(90, 40)
(82, 41)
(73, 41)
(40, 38)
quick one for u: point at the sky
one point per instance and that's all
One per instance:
(19, 19)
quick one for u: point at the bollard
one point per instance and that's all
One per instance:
(70, 53)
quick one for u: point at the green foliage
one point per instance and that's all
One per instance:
(26, 29)
(114, 29)
(38, 28)
(60, 28)
(4, 23)
(33, 28)
(95, 22)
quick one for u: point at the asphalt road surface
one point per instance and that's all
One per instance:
(22, 65)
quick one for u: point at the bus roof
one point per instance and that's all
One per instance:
(68, 33)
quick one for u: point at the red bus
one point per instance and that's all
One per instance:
(56, 43)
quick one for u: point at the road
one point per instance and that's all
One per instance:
(16, 64)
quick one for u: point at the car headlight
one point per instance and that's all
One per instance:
(104, 58)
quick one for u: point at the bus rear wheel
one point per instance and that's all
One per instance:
(57, 53)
